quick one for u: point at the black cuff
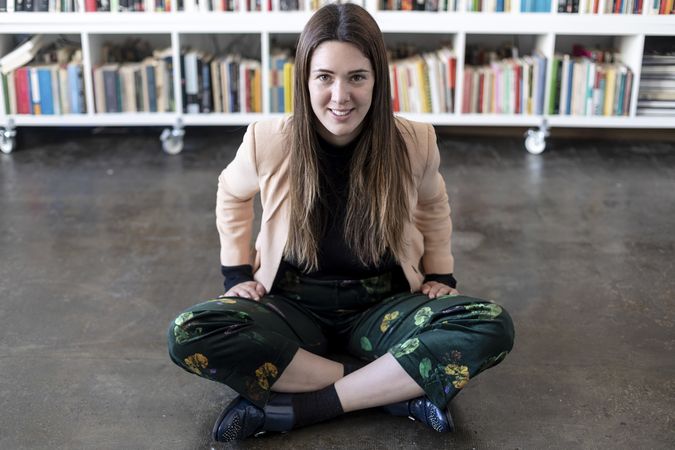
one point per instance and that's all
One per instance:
(236, 274)
(446, 279)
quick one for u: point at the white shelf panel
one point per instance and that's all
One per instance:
(221, 119)
(474, 119)
(389, 21)
(87, 120)
(170, 119)
(611, 122)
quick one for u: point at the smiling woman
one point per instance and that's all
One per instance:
(353, 255)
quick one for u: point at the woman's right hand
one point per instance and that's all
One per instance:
(248, 289)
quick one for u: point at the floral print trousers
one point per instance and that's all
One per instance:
(441, 343)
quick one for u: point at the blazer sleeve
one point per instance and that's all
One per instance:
(237, 187)
(432, 214)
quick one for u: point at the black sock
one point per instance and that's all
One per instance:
(315, 407)
(351, 367)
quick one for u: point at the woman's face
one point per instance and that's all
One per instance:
(341, 82)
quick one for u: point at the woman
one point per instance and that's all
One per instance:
(353, 256)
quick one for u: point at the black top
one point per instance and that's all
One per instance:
(336, 260)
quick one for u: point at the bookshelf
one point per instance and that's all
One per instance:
(259, 31)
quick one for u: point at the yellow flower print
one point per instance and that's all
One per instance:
(228, 301)
(460, 373)
(196, 363)
(387, 320)
(264, 373)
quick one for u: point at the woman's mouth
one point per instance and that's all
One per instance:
(340, 113)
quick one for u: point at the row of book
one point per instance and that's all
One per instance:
(488, 5)
(514, 85)
(659, 6)
(564, 6)
(568, 6)
(217, 5)
(143, 86)
(43, 76)
(586, 87)
(135, 78)
(224, 84)
(424, 83)
(418, 5)
(84, 5)
(45, 89)
(220, 84)
(282, 73)
(623, 6)
(656, 96)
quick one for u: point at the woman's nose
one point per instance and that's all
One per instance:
(340, 92)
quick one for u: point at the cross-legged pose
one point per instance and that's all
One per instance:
(353, 256)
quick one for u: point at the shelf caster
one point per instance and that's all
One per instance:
(172, 140)
(535, 140)
(7, 140)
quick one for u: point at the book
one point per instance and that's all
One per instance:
(21, 55)
(44, 77)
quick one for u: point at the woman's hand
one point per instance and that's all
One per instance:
(247, 289)
(435, 289)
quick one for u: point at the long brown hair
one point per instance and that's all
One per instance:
(380, 174)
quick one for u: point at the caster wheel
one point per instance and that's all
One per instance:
(535, 142)
(7, 144)
(172, 141)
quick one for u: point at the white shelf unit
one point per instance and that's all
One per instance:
(547, 32)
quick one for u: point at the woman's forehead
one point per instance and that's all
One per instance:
(339, 55)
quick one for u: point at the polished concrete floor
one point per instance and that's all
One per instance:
(103, 239)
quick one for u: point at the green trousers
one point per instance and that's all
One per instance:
(441, 343)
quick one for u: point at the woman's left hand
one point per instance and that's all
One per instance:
(435, 289)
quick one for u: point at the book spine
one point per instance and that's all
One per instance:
(45, 87)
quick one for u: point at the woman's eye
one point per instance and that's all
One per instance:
(323, 77)
(358, 78)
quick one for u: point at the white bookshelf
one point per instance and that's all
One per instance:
(547, 32)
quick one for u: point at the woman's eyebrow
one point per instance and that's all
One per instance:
(350, 72)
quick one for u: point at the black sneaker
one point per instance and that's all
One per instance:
(241, 418)
(421, 409)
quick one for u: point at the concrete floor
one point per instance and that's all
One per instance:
(103, 239)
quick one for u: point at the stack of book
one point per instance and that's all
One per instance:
(536, 6)
(424, 83)
(624, 6)
(418, 5)
(488, 5)
(285, 5)
(222, 84)
(569, 6)
(512, 85)
(316, 4)
(43, 79)
(209, 5)
(656, 96)
(282, 72)
(84, 5)
(590, 84)
(659, 6)
(143, 86)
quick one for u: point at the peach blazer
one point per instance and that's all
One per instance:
(261, 165)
